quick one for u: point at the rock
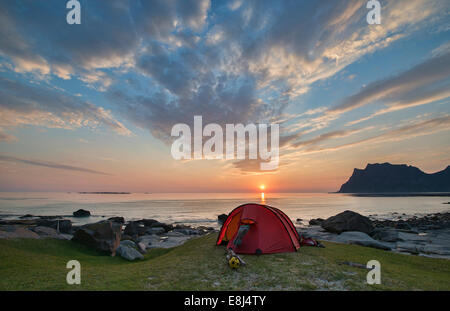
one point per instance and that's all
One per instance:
(175, 233)
(402, 225)
(142, 247)
(348, 221)
(360, 238)
(186, 231)
(125, 250)
(155, 241)
(119, 220)
(65, 236)
(81, 213)
(26, 216)
(442, 250)
(23, 222)
(316, 222)
(135, 229)
(128, 243)
(408, 247)
(47, 232)
(156, 230)
(386, 235)
(61, 225)
(222, 218)
(203, 229)
(151, 223)
(299, 220)
(126, 237)
(17, 232)
(103, 236)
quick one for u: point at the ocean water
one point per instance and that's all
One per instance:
(202, 208)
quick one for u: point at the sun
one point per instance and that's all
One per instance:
(262, 187)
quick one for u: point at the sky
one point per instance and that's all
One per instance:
(90, 106)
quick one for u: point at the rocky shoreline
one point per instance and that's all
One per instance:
(428, 235)
(114, 235)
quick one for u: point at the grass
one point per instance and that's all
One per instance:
(200, 265)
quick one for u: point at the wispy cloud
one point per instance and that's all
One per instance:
(50, 165)
(397, 90)
(24, 104)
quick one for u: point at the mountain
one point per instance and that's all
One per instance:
(386, 177)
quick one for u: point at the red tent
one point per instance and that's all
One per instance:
(267, 230)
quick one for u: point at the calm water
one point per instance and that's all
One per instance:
(203, 208)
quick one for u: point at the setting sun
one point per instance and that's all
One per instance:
(262, 187)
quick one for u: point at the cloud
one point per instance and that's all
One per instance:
(23, 104)
(327, 136)
(409, 131)
(50, 165)
(5, 137)
(398, 88)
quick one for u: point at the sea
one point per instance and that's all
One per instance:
(202, 209)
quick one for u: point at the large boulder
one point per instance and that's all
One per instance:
(16, 232)
(47, 232)
(61, 225)
(81, 213)
(103, 236)
(360, 238)
(128, 250)
(348, 221)
(134, 229)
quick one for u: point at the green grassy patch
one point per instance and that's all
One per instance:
(200, 265)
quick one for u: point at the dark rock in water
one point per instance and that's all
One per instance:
(103, 236)
(119, 220)
(26, 216)
(316, 221)
(348, 221)
(222, 218)
(299, 220)
(81, 213)
(389, 178)
(63, 225)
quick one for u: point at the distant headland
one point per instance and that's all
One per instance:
(386, 178)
